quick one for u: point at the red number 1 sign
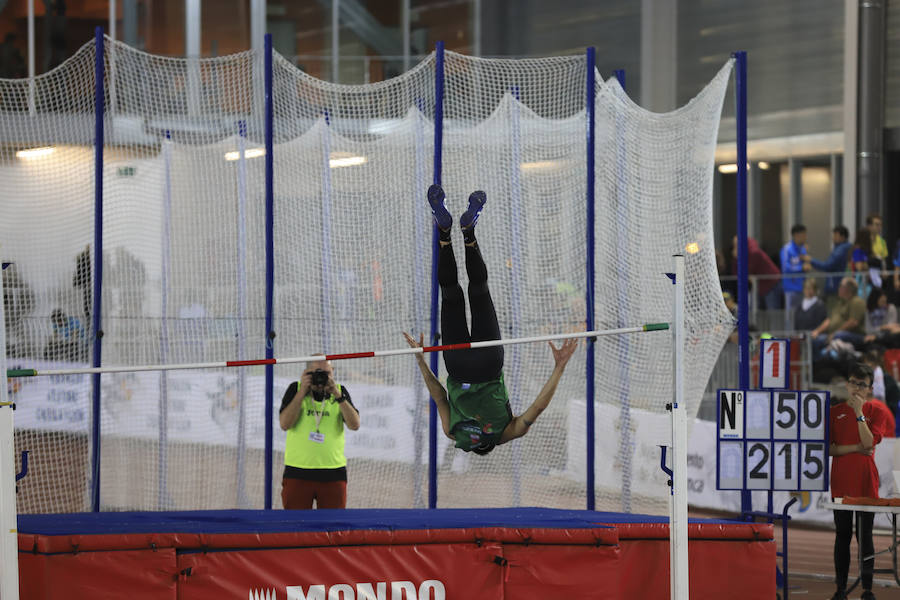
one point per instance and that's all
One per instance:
(774, 368)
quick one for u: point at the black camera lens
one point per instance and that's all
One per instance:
(320, 377)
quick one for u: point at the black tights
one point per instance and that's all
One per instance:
(480, 364)
(843, 532)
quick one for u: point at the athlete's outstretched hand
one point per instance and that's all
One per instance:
(562, 354)
(412, 341)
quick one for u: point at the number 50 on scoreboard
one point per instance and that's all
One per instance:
(772, 440)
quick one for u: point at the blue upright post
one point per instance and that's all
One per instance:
(163, 450)
(97, 278)
(270, 269)
(589, 287)
(620, 76)
(241, 260)
(435, 248)
(740, 92)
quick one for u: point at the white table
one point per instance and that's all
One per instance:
(861, 508)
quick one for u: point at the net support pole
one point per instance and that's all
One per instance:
(163, 450)
(97, 279)
(270, 270)
(435, 248)
(740, 93)
(589, 275)
(678, 520)
(241, 224)
(9, 546)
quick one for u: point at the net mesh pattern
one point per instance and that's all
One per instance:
(183, 276)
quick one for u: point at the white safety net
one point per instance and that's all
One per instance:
(184, 272)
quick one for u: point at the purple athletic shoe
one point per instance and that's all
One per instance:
(436, 200)
(476, 204)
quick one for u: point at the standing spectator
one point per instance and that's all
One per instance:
(82, 279)
(864, 263)
(846, 321)
(759, 263)
(836, 261)
(812, 312)
(879, 246)
(792, 265)
(857, 426)
(314, 411)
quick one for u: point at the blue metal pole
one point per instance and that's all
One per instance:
(740, 92)
(163, 451)
(435, 248)
(325, 269)
(620, 76)
(589, 288)
(420, 226)
(241, 498)
(516, 233)
(270, 269)
(97, 278)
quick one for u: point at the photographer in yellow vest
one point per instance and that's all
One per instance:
(314, 412)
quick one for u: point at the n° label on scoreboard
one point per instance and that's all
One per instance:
(774, 364)
(731, 414)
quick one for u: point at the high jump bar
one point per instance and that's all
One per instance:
(320, 357)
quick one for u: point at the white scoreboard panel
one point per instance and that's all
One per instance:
(772, 440)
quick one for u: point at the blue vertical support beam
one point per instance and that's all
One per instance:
(516, 209)
(620, 77)
(163, 450)
(97, 278)
(241, 499)
(589, 287)
(435, 248)
(740, 93)
(420, 226)
(270, 267)
(325, 269)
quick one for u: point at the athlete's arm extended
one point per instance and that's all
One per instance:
(435, 389)
(519, 425)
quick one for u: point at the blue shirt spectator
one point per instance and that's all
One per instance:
(837, 260)
(793, 265)
(792, 259)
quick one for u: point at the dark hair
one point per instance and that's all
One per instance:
(871, 218)
(58, 315)
(872, 300)
(483, 449)
(798, 228)
(861, 371)
(864, 240)
(841, 231)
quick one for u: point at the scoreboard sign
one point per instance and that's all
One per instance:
(774, 364)
(772, 440)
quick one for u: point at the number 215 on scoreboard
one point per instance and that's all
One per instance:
(772, 440)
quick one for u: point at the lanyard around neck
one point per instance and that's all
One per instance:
(319, 413)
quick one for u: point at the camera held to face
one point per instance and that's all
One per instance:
(319, 377)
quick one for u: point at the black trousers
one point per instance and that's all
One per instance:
(843, 532)
(480, 364)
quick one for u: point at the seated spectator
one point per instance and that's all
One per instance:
(881, 316)
(845, 322)
(67, 341)
(811, 312)
(884, 387)
(836, 261)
